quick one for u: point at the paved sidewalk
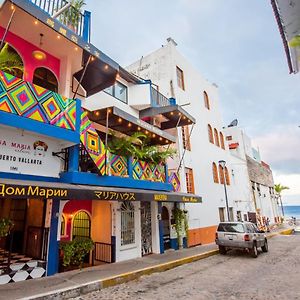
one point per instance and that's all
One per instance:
(74, 283)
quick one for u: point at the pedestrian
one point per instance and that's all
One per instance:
(268, 224)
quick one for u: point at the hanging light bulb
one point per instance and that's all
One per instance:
(38, 54)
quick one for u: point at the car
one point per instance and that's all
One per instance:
(241, 235)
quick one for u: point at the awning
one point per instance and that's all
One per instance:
(13, 189)
(171, 116)
(122, 121)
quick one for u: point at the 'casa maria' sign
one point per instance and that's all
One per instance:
(22, 153)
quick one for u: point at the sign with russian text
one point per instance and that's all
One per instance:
(24, 153)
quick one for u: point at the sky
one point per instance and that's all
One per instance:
(235, 44)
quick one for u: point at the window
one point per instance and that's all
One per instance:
(222, 140)
(180, 79)
(118, 90)
(127, 224)
(215, 173)
(231, 216)
(222, 214)
(62, 225)
(227, 179)
(189, 180)
(216, 137)
(231, 227)
(221, 174)
(228, 138)
(210, 134)
(186, 138)
(206, 100)
(13, 61)
(239, 216)
(46, 79)
(81, 225)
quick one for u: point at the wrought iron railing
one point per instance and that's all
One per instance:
(158, 99)
(72, 17)
(103, 252)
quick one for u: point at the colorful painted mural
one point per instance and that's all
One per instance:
(31, 101)
(92, 142)
(117, 165)
(174, 180)
(146, 171)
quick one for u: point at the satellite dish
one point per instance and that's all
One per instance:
(233, 123)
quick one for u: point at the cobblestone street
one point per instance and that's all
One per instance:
(273, 275)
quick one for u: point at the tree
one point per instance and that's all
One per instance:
(278, 189)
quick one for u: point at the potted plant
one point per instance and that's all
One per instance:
(71, 16)
(181, 225)
(74, 252)
(5, 227)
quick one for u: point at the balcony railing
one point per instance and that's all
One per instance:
(158, 99)
(71, 18)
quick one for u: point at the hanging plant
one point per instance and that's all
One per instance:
(5, 227)
(181, 223)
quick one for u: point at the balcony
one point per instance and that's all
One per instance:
(72, 18)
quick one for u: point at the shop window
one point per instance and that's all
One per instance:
(206, 100)
(127, 224)
(222, 141)
(221, 174)
(118, 90)
(180, 78)
(215, 173)
(227, 178)
(45, 78)
(63, 225)
(186, 138)
(81, 225)
(189, 181)
(10, 61)
(210, 134)
(216, 137)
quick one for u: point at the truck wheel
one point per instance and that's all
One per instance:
(254, 251)
(222, 250)
(265, 247)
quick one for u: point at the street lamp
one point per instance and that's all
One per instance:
(222, 163)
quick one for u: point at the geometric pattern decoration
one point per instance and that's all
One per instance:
(147, 171)
(92, 142)
(117, 165)
(34, 102)
(175, 181)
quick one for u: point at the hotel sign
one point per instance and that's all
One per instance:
(104, 194)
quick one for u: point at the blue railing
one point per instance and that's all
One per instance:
(71, 17)
(158, 99)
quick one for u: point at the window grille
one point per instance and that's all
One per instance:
(127, 224)
(81, 225)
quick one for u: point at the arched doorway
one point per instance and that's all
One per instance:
(81, 225)
(166, 227)
(10, 61)
(45, 78)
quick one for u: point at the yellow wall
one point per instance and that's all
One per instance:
(101, 221)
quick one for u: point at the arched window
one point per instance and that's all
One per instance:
(215, 173)
(127, 223)
(46, 79)
(227, 176)
(216, 137)
(10, 61)
(62, 225)
(210, 134)
(81, 225)
(206, 100)
(221, 174)
(222, 140)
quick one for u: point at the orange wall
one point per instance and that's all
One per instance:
(204, 235)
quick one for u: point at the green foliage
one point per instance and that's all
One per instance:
(5, 227)
(137, 146)
(75, 251)
(279, 188)
(71, 16)
(10, 61)
(181, 222)
(295, 41)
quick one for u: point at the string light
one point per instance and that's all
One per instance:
(120, 120)
(129, 124)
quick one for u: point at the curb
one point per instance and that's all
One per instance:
(76, 291)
